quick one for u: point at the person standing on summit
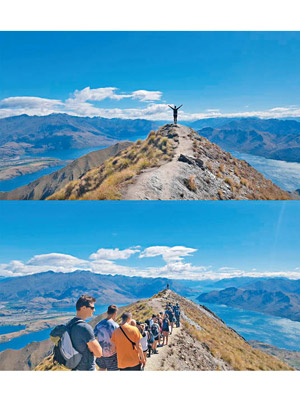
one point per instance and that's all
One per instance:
(175, 112)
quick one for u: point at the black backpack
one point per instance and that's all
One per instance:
(154, 330)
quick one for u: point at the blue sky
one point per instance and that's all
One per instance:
(136, 74)
(197, 240)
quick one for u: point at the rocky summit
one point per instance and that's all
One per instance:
(173, 163)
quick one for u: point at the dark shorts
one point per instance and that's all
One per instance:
(109, 363)
(156, 338)
(135, 368)
(165, 329)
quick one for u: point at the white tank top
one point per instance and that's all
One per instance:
(144, 343)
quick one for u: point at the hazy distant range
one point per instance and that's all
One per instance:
(270, 146)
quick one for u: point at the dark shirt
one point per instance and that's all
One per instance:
(81, 334)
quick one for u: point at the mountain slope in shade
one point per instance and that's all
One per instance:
(271, 138)
(64, 288)
(173, 163)
(290, 357)
(27, 358)
(36, 134)
(273, 301)
(202, 343)
(48, 184)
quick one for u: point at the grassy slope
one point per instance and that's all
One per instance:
(105, 181)
(225, 343)
(238, 174)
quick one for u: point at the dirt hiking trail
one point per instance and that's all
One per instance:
(155, 183)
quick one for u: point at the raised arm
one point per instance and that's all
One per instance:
(170, 107)
(179, 106)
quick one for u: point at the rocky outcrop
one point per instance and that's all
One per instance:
(200, 170)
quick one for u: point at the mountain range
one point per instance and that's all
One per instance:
(279, 297)
(173, 163)
(49, 289)
(45, 186)
(270, 138)
(23, 135)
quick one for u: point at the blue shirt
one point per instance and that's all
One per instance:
(103, 331)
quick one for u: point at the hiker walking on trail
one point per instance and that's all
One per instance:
(82, 335)
(127, 338)
(155, 331)
(159, 321)
(170, 314)
(177, 315)
(165, 329)
(103, 332)
(144, 339)
(175, 112)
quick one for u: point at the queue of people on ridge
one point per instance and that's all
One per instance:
(112, 347)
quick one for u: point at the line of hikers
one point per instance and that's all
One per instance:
(110, 346)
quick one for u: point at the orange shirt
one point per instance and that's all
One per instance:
(126, 355)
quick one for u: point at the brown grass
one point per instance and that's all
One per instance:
(104, 182)
(225, 343)
(191, 185)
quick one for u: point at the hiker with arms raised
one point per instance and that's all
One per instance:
(175, 112)
(82, 335)
(127, 341)
(103, 331)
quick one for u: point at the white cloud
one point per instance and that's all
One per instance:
(103, 262)
(29, 102)
(114, 254)
(175, 253)
(146, 95)
(84, 103)
(56, 259)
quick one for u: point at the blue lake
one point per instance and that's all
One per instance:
(11, 184)
(284, 174)
(67, 155)
(10, 328)
(279, 332)
(22, 341)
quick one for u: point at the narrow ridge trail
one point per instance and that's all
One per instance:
(183, 352)
(155, 183)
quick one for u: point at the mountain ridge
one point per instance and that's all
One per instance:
(173, 163)
(36, 134)
(45, 186)
(278, 297)
(270, 138)
(203, 343)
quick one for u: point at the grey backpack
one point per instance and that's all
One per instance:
(64, 352)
